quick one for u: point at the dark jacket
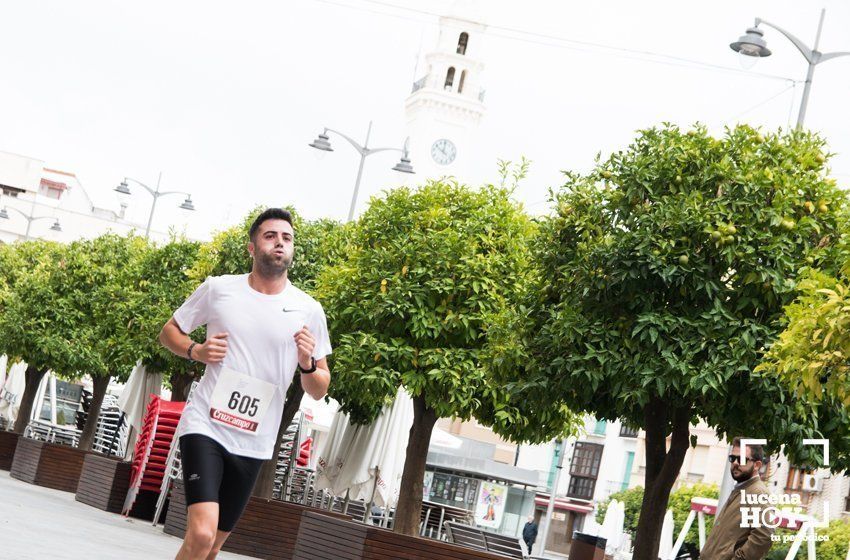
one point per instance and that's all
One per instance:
(529, 532)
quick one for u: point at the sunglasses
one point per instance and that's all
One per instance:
(737, 459)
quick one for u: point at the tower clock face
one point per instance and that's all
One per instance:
(443, 151)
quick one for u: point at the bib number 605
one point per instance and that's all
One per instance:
(245, 404)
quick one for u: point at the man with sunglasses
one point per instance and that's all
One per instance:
(731, 538)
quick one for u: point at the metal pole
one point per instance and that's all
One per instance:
(550, 509)
(812, 63)
(153, 206)
(29, 224)
(363, 155)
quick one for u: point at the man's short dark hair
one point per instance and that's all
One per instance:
(269, 214)
(756, 451)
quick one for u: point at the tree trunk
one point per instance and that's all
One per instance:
(264, 487)
(33, 379)
(410, 494)
(662, 469)
(90, 428)
(180, 385)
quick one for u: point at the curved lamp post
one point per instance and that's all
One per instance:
(124, 189)
(752, 43)
(322, 142)
(4, 215)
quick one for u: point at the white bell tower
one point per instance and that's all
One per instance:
(446, 105)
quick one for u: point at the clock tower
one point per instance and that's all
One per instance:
(446, 105)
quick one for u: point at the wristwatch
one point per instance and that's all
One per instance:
(312, 367)
(189, 351)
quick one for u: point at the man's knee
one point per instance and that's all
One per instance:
(201, 537)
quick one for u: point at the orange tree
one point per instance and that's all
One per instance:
(31, 311)
(426, 270)
(95, 280)
(662, 278)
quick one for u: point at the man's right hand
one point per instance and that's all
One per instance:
(213, 350)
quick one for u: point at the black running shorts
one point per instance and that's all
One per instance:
(213, 474)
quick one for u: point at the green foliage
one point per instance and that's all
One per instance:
(427, 271)
(663, 276)
(30, 306)
(632, 499)
(680, 503)
(833, 548)
(813, 352)
(162, 285)
(94, 280)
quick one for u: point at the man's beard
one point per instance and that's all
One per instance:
(741, 476)
(270, 265)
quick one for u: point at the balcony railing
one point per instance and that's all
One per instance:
(418, 84)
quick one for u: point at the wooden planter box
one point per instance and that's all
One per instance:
(321, 536)
(48, 464)
(8, 443)
(267, 528)
(104, 482)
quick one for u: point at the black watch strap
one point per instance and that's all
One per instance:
(189, 351)
(312, 366)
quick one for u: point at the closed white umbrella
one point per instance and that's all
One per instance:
(133, 402)
(13, 391)
(334, 451)
(4, 361)
(376, 458)
(607, 529)
(666, 546)
(367, 460)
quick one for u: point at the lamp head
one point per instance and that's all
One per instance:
(322, 143)
(123, 188)
(752, 44)
(187, 204)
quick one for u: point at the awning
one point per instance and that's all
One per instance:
(564, 504)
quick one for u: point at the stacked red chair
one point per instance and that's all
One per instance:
(151, 452)
(304, 452)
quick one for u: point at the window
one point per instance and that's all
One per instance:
(462, 41)
(462, 79)
(11, 191)
(599, 428)
(450, 78)
(581, 487)
(794, 482)
(51, 189)
(586, 459)
(626, 431)
(627, 475)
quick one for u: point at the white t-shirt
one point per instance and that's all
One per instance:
(260, 344)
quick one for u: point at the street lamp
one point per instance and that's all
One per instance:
(322, 142)
(124, 189)
(4, 215)
(752, 44)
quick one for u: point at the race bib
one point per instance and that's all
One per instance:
(240, 401)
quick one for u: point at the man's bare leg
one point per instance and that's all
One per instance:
(201, 532)
(220, 537)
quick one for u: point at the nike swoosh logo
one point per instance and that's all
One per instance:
(285, 310)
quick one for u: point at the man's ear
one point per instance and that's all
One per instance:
(251, 248)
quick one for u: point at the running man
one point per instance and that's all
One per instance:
(260, 328)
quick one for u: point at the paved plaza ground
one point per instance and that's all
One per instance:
(38, 523)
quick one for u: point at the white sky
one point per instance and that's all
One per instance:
(223, 97)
